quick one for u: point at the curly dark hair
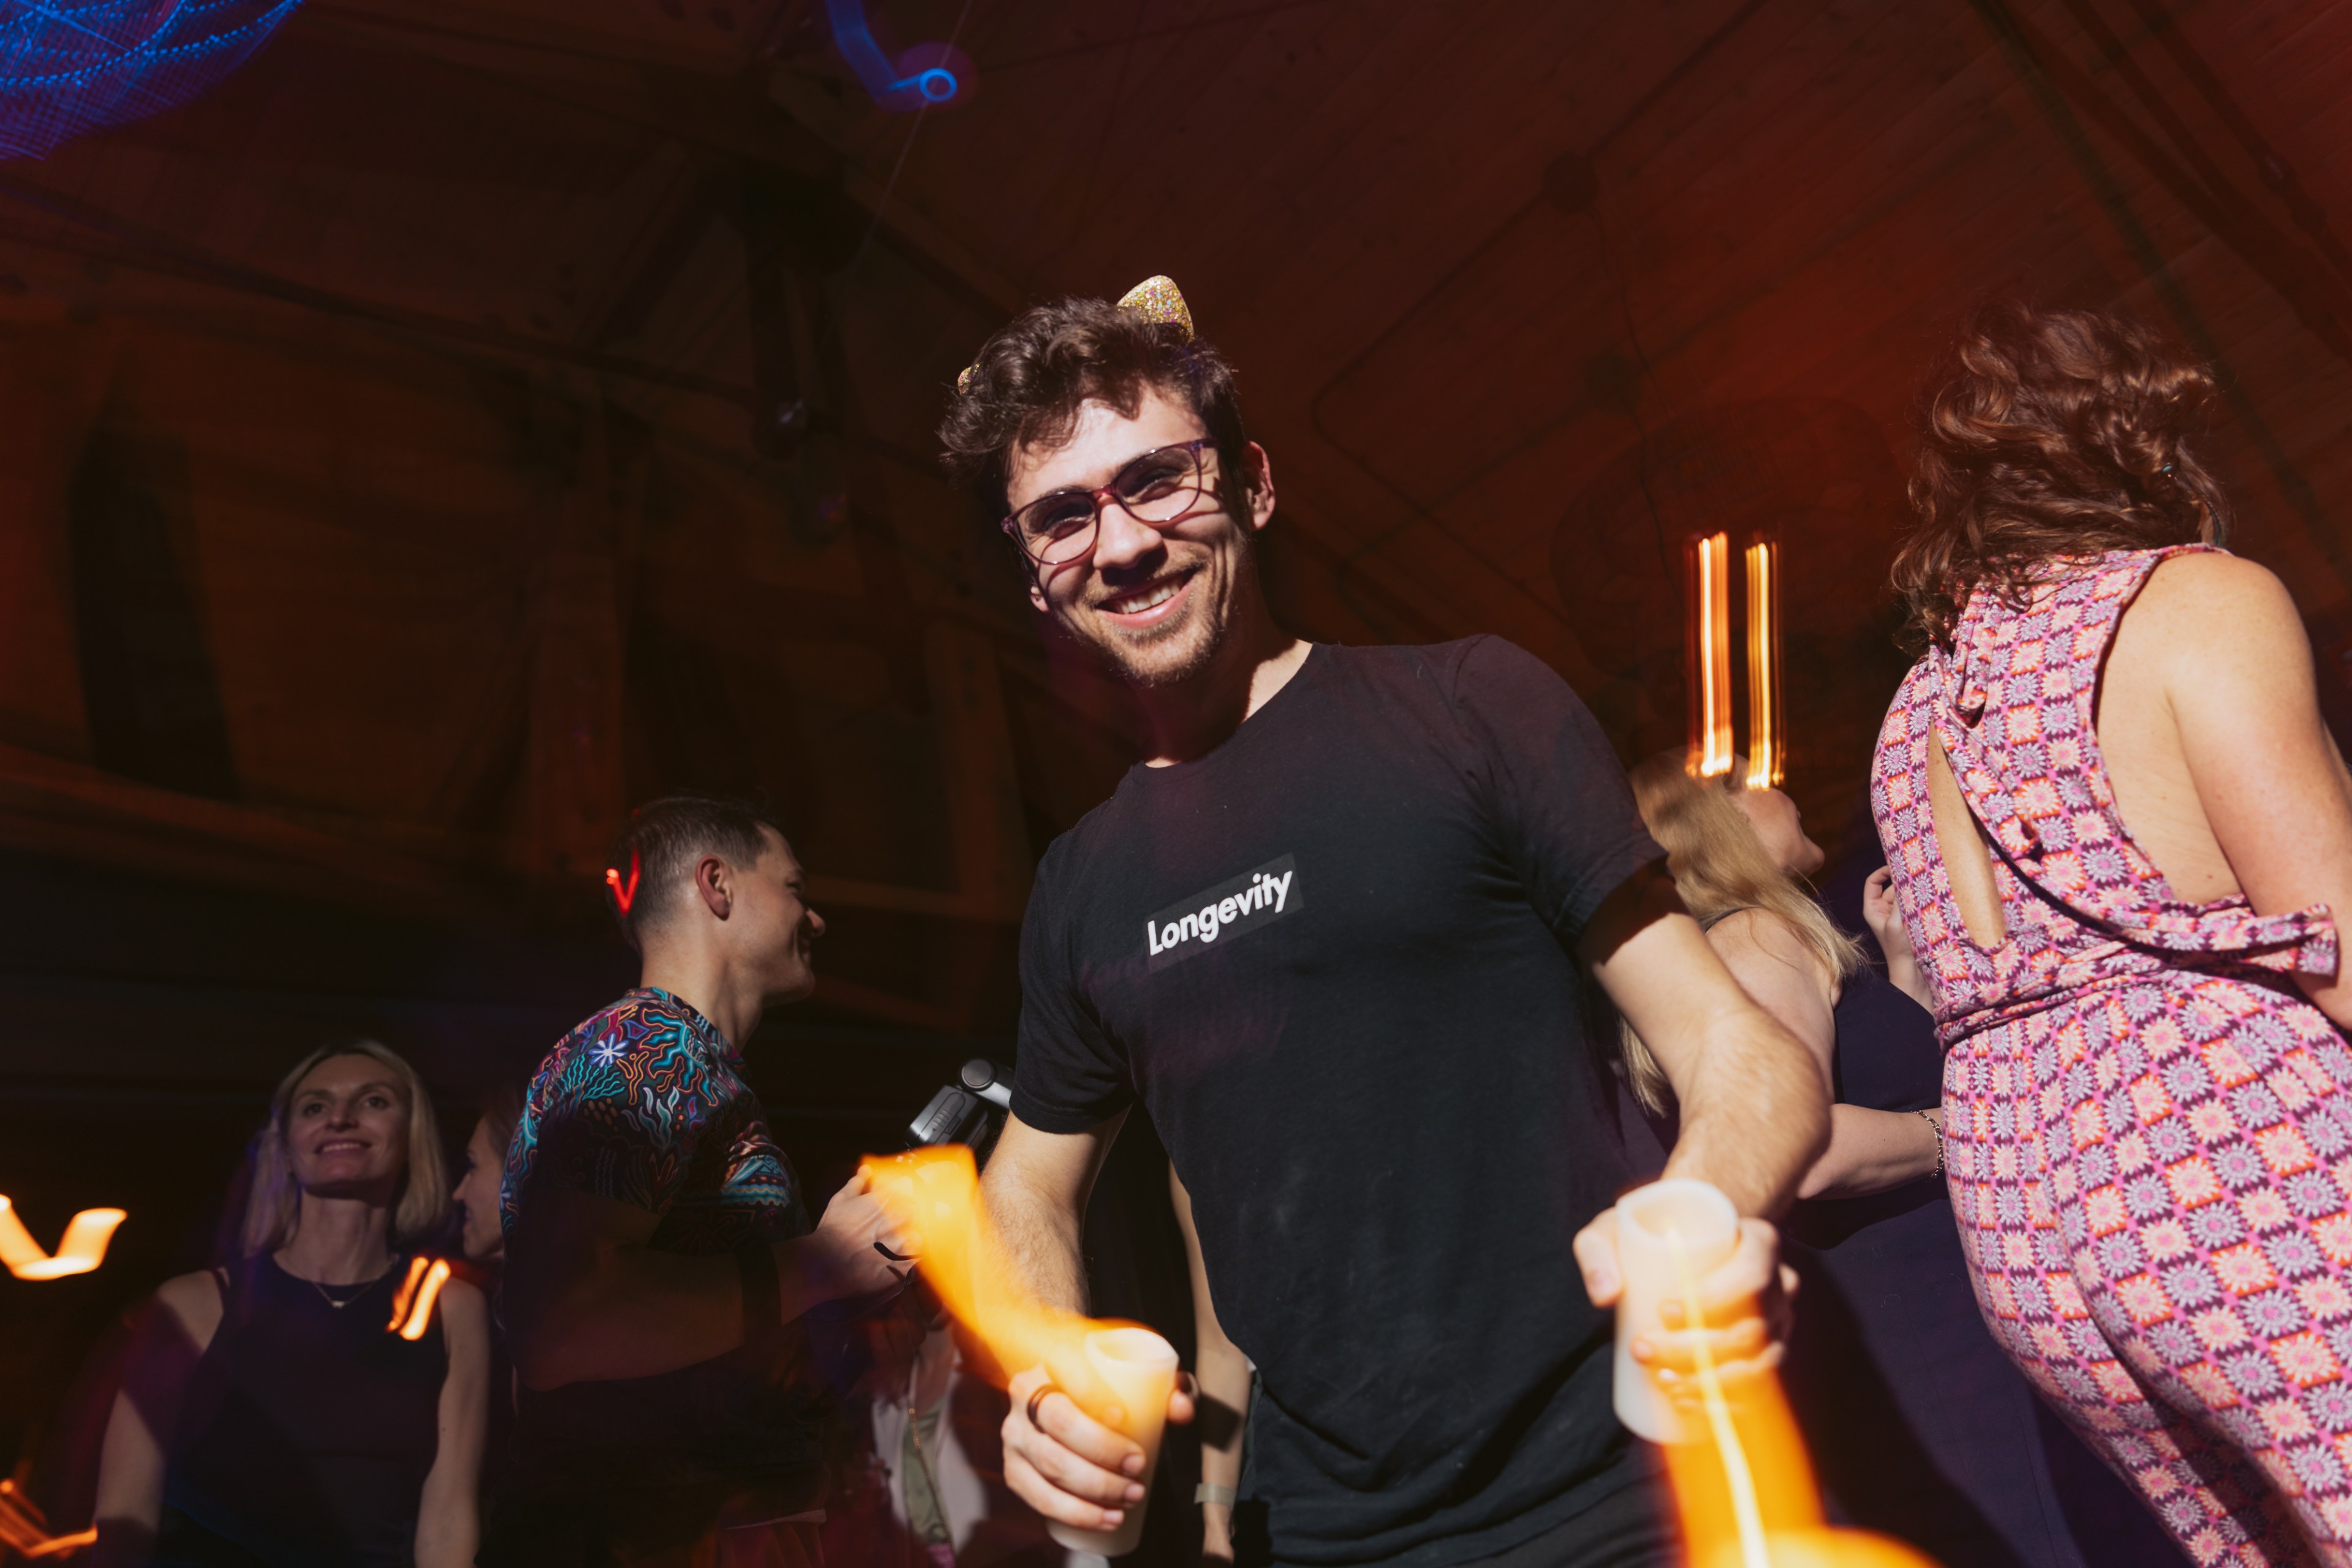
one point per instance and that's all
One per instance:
(2047, 434)
(1031, 380)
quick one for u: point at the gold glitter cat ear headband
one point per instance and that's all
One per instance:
(1155, 298)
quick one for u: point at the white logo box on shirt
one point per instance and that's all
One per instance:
(1231, 908)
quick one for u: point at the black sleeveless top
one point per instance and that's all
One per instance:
(305, 1432)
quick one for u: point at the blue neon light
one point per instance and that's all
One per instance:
(71, 67)
(906, 83)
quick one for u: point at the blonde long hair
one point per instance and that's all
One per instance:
(1720, 866)
(273, 1208)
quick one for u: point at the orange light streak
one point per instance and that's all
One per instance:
(1118, 1378)
(408, 1292)
(1765, 761)
(63, 1545)
(83, 1249)
(25, 1532)
(935, 1192)
(1711, 628)
(1746, 1491)
(422, 1288)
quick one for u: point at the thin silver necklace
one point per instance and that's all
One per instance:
(339, 1302)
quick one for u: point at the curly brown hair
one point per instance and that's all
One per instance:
(1031, 378)
(2050, 434)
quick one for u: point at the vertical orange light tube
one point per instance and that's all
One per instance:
(1710, 752)
(1766, 762)
(406, 1293)
(412, 1304)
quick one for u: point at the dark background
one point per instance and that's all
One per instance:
(395, 486)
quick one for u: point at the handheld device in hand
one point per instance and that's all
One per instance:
(970, 1111)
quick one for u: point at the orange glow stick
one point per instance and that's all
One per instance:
(1746, 1493)
(24, 1529)
(59, 1545)
(83, 1249)
(1765, 763)
(21, 1526)
(421, 1316)
(1711, 648)
(407, 1292)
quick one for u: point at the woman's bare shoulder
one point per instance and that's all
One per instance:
(1763, 932)
(465, 1305)
(199, 1290)
(195, 1302)
(465, 1311)
(464, 1295)
(2212, 621)
(2207, 589)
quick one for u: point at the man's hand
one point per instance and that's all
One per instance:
(1748, 1300)
(858, 1249)
(1070, 1466)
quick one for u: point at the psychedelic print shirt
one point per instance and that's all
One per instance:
(645, 1104)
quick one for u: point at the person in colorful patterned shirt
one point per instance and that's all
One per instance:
(673, 1316)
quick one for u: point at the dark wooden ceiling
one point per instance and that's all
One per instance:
(393, 484)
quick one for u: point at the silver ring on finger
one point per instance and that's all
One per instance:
(1038, 1398)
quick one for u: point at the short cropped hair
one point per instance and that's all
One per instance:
(1031, 380)
(655, 856)
(2051, 434)
(273, 1204)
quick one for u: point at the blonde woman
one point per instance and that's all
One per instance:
(271, 1415)
(1919, 1425)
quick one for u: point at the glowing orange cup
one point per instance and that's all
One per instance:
(1119, 1374)
(1650, 1222)
(1138, 1370)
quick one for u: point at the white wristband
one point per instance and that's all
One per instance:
(1209, 1491)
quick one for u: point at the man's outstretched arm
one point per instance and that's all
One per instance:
(1755, 1108)
(588, 1299)
(1065, 1465)
(1036, 1186)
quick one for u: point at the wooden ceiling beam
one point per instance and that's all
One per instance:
(138, 244)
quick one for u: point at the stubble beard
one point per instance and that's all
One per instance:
(1182, 650)
(1171, 657)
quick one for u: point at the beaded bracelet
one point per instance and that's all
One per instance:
(1938, 1128)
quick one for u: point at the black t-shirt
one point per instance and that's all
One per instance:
(1332, 959)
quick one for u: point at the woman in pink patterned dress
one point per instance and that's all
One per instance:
(2121, 890)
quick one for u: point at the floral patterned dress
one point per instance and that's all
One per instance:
(2149, 1134)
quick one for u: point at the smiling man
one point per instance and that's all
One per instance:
(660, 1265)
(1334, 935)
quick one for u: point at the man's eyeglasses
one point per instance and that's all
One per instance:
(1159, 488)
